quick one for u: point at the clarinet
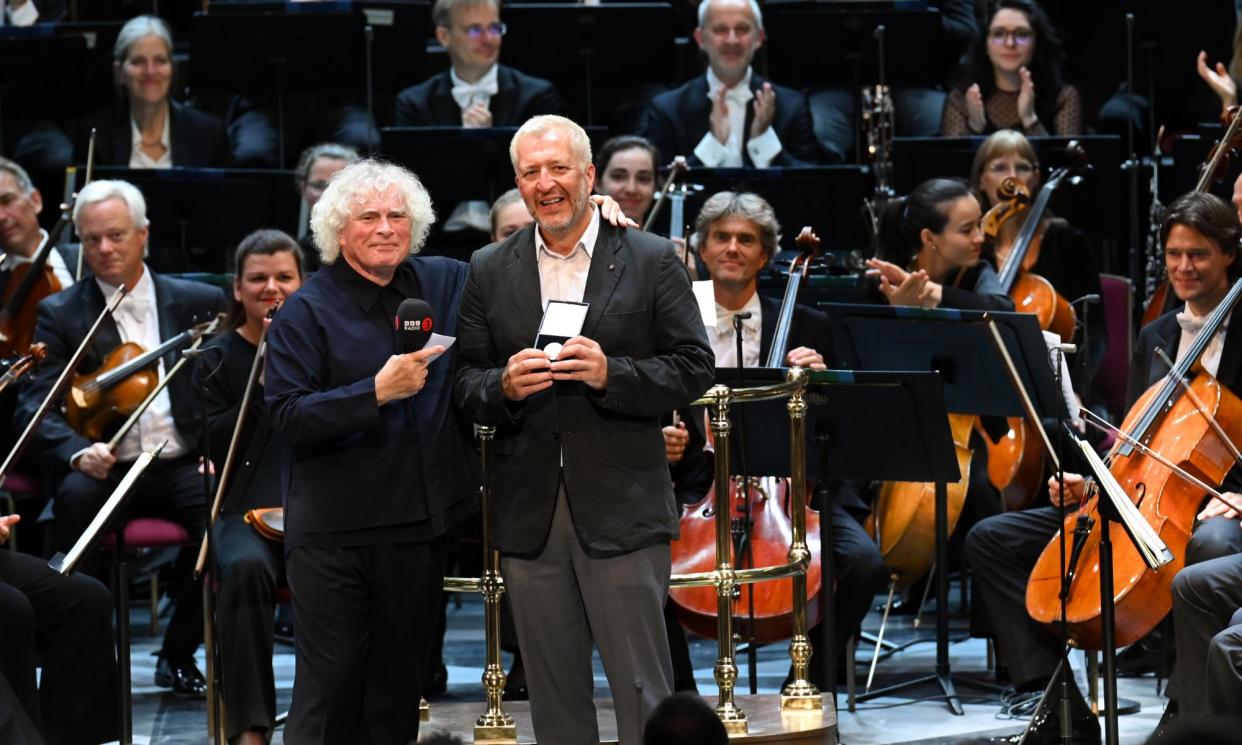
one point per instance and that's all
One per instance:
(877, 116)
(1155, 270)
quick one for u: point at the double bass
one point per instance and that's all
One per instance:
(767, 502)
(1015, 459)
(1189, 420)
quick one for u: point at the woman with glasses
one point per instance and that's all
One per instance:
(1066, 256)
(1011, 78)
(476, 91)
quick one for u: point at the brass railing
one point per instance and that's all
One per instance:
(495, 726)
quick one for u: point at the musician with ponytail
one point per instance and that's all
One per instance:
(248, 568)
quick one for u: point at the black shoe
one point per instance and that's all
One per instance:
(1167, 720)
(182, 677)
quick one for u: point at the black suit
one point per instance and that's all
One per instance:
(172, 488)
(518, 97)
(197, 139)
(1003, 549)
(677, 120)
(583, 506)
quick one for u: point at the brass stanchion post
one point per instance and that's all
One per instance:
(800, 694)
(494, 725)
(734, 719)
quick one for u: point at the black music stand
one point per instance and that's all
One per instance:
(199, 215)
(959, 345)
(597, 40)
(849, 412)
(109, 517)
(824, 197)
(829, 45)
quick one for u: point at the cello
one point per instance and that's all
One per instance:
(1015, 459)
(767, 501)
(1191, 425)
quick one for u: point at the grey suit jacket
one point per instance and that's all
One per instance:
(644, 316)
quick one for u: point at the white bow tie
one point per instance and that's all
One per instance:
(1192, 324)
(134, 307)
(468, 94)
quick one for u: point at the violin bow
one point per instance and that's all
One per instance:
(1201, 407)
(1099, 423)
(90, 173)
(115, 442)
(58, 388)
(222, 478)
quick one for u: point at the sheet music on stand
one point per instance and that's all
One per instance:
(1149, 544)
(66, 563)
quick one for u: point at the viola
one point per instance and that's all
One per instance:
(1214, 169)
(100, 401)
(767, 503)
(28, 284)
(17, 367)
(1192, 426)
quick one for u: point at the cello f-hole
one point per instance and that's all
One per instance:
(1141, 488)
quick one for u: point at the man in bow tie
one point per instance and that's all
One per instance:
(1200, 237)
(476, 91)
(110, 217)
(731, 117)
(737, 235)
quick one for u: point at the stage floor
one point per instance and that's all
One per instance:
(917, 717)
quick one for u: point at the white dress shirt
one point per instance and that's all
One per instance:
(762, 149)
(54, 260)
(724, 339)
(469, 94)
(1191, 325)
(139, 159)
(137, 320)
(565, 277)
(23, 16)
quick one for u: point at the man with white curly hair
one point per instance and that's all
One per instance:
(379, 466)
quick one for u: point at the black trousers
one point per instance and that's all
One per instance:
(1003, 549)
(860, 574)
(67, 621)
(250, 569)
(171, 489)
(365, 618)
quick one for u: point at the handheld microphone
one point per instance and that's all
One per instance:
(413, 324)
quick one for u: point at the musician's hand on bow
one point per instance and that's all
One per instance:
(718, 119)
(765, 110)
(1075, 488)
(610, 210)
(675, 439)
(477, 116)
(95, 461)
(526, 373)
(6, 527)
(1216, 508)
(976, 120)
(1218, 80)
(582, 359)
(805, 357)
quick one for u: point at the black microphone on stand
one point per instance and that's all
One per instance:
(413, 324)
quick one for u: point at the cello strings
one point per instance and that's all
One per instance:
(1202, 408)
(1102, 425)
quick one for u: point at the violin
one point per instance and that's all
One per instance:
(767, 502)
(126, 382)
(1191, 425)
(28, 284)
(1214, 169)
(1015, 459)
(19, 366)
